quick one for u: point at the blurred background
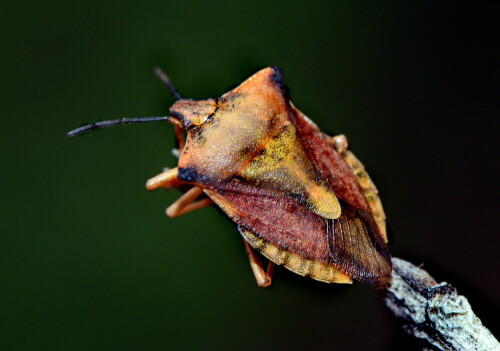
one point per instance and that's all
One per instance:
(89, 260)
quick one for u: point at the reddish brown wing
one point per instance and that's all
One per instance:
(355, 248)
(274, 217)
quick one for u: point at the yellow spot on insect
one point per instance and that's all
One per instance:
(283, 165)
(324, 201)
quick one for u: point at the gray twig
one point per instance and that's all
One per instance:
(434, 311)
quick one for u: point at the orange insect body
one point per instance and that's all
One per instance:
(298, 196)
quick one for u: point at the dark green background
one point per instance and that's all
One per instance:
(88, 259)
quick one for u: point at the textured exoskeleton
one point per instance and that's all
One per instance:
(297, 195)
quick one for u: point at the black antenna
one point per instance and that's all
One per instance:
(113, 122)
(164, 78)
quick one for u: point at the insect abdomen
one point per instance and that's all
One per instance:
(296, 263)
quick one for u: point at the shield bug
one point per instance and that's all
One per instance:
(297, 195)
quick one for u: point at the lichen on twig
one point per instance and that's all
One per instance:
(434, 311)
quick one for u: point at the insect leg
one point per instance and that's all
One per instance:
(167, 180)
(191, 207)
(186, 203)
(339, 142)
(263, 278)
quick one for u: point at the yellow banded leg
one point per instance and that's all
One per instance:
(263, 278)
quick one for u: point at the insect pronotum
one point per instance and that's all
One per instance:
(297, 195)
